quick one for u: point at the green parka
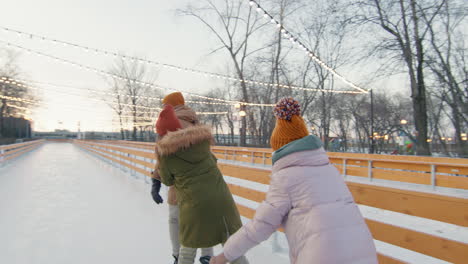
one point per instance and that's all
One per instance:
(208, 214)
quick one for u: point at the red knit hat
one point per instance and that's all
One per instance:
(167, 121)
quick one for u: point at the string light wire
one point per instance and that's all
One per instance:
(294, 40)
(199, 72)
(109, 74)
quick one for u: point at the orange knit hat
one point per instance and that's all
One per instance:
(167, 121)
(174, 99)
(289, 124)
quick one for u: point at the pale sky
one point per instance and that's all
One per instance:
(145, 28)
(149, 29)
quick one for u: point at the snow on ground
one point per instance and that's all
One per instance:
(60, 204)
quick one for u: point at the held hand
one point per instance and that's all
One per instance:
(220, 259)
(156, 174)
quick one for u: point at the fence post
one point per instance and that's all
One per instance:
(132, 172)
(253, 157)
(115, 155)
(122, 167)
(369, 171)
(264, 158)
(146, 176)
(2, 153)
(344, 167)
(225, 154)
(433, 176)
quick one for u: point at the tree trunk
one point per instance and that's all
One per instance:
(419, 92)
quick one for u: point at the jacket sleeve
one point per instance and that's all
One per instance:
(166, 176)
(267, 219)
(155, 174)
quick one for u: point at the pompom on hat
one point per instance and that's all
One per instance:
(174, 99)
(167, 121)
(289, 124)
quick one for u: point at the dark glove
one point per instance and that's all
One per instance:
(155, 188)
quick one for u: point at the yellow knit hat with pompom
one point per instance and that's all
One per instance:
(289, 124)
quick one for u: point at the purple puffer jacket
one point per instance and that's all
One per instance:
(309, 198)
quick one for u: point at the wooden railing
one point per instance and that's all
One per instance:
(8, 152)
(441, 172)
(430, 206)
(436, 172)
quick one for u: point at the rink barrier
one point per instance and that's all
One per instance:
(438, 207)
(435, 172)
(429, 171)
(8, 152)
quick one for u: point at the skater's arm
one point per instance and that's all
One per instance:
(214, 157)
(155, 172)
(267, 220)
(166, 176)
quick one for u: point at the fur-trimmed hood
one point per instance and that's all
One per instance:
(183, 139)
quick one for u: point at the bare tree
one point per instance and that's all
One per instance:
(129, 94)
(401, 21)
(8, 107)
(446, 61)
(234, 27)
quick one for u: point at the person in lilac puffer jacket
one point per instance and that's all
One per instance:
(308, 198)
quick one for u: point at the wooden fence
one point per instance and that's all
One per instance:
(437, 172)
(431, 206)
(441, 172)
(8, 152)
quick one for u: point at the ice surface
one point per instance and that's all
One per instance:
(60, 204)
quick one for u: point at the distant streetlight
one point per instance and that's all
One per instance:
(403, 122)
(449, 139)
(429, 140)
(242, 115)
(237, 106)
(463, 134)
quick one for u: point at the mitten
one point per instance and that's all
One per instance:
(155, 188)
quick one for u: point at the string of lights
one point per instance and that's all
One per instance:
(103, 92)
(294, 40)
(19, 107)
(109, 74)
(185, 69)
(93, 99)
(18, 99)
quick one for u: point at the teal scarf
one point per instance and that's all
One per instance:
(306, 143)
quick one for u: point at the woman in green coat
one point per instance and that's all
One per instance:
(208, 214)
